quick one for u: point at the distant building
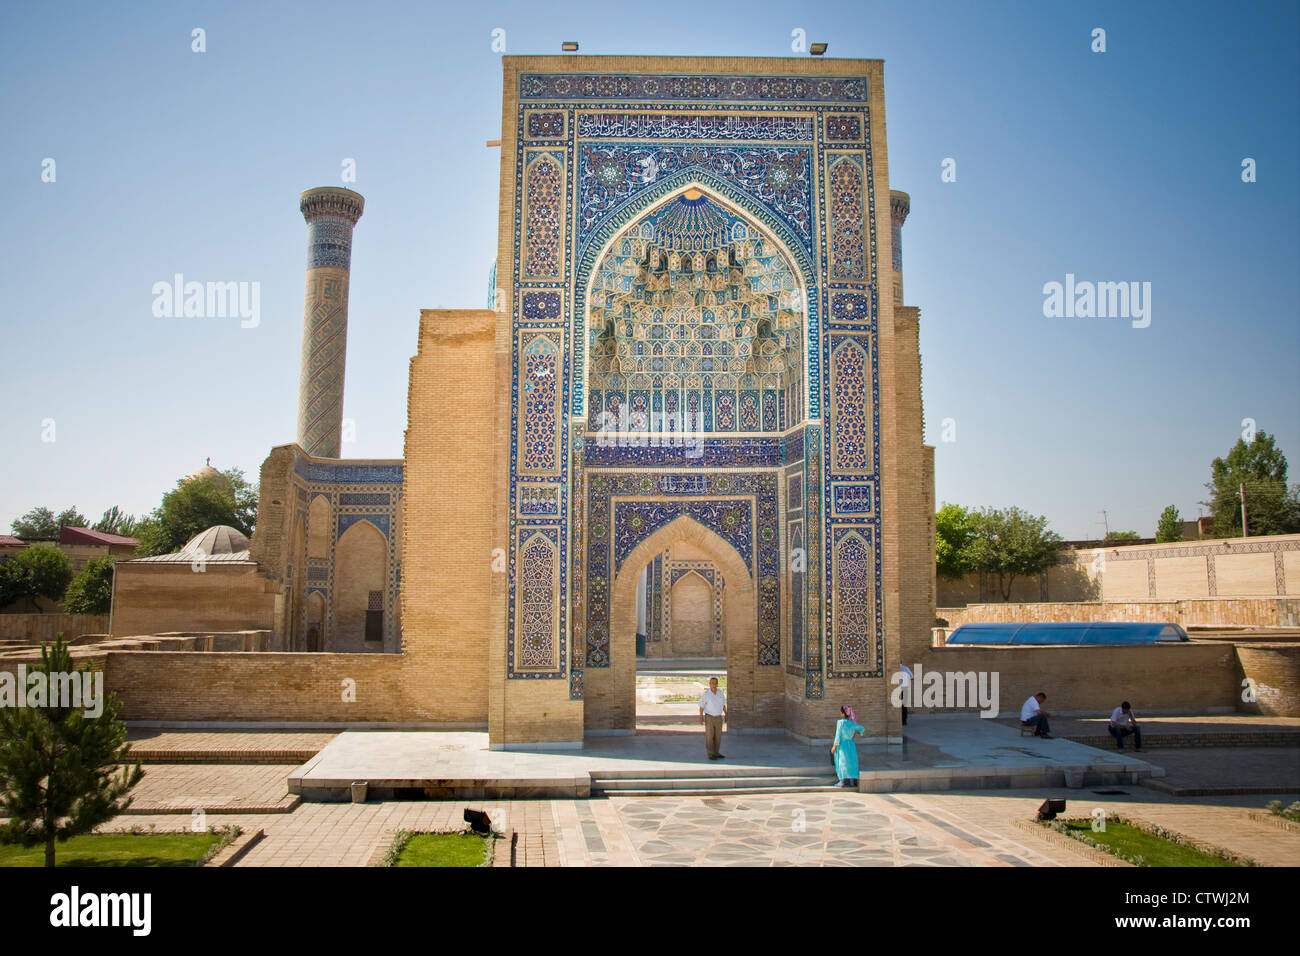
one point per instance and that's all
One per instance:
(83, 545)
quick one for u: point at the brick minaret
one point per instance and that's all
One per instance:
(331, 212)
(900, 204)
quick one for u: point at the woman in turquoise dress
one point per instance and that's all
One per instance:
(844, 750)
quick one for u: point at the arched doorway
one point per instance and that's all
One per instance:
(610, 698)
(360, 572)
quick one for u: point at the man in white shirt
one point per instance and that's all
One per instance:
(1033, 715)
(1122, 723)
(713, 713)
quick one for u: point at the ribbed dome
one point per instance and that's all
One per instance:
(219, 539)
(207, 471)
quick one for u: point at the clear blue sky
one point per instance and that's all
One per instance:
(1116, 166)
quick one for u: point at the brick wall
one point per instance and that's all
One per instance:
(161, 685)
(1275, 672)
(447, 556)
(1187, 678)
(1207, 612)
(45, 627)
(154, 598)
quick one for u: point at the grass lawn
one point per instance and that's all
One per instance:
(443, 849)
(117, 849)
(1133, 842)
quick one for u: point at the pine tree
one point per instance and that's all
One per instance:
(58, 766)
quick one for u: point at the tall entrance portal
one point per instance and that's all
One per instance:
(700, 345)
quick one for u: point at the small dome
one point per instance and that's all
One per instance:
(207, 471)
(219, 539)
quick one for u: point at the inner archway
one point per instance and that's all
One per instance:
(610, 697)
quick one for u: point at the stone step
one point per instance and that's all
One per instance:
(723, 791)
(291, 758)
(709, 784)
(717, 771)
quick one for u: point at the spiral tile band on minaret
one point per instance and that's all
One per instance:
(900, 204)
(331, 212)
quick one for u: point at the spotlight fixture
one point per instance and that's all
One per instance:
(817, 49)
(569, 46)
(1048, 811)
(478, 821)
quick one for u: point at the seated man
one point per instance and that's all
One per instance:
(1033, 715)
(1122, 723)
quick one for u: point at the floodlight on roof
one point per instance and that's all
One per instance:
(817, 49)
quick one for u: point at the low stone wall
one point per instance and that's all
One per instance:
(1188, 678)
(39, 628)
(285, 688)
(1200, 612)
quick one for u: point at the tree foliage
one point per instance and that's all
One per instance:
(59, 767)
(1262, 468)
(44, 524)
(41, 570)
(1170, 526)
(1009, 543)
(194, 505)
(116, 521)
(91, 591)
(952, 533)
(1122, 536)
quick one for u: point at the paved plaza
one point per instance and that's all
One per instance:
(966, 828)
(238, 784)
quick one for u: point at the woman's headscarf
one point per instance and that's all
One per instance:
(848, 712)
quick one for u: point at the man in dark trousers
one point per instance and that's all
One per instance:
(1122, 723)
(713, 713)
(1033, 715)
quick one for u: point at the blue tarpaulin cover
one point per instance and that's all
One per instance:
(1084, 632)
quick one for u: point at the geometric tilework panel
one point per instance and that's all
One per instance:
(539, 573)
(541, 371)
(855, 639)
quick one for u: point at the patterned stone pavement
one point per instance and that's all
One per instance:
(814, 829)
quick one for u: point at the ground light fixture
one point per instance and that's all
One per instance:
(1048, 811)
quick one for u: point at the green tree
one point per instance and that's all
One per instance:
(116, 521)
(1170, 525)
(70, 517)
(1262, 468)
(37, 523)
(1122, 536)
(194, 505)
(41, 570)
(91, 591)
(952, 534)
(1011, 543)
(42, 523)
(59, 766)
